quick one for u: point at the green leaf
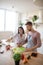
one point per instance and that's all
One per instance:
(34, 18)
(16, 56)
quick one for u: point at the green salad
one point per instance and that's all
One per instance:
(18, 50)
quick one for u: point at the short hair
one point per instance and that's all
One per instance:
(21, 28)
(29, 23)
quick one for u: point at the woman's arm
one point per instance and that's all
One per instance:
(8, 40)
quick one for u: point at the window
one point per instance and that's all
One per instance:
(8, 20)
(11, 21)
(2, 20)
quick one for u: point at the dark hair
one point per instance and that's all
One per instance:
(29, 23)
(21, 28)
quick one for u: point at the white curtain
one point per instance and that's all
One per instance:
(9, 20)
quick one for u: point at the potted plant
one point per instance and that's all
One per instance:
(17, 57)
(34, 18)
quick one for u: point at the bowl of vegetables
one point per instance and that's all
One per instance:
(18, 50)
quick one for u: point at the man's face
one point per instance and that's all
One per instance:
(29, 27)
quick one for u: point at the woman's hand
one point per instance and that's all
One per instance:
(8, 40)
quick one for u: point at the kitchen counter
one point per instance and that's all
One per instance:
(7, 59)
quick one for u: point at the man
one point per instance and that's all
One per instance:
(33, 38)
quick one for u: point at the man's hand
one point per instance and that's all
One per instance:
(28, 50)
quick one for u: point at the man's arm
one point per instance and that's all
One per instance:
(20, 44)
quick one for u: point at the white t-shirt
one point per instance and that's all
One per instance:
(18, 39)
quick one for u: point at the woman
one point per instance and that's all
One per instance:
(19, 38)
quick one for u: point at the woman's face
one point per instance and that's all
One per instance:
(20, 31)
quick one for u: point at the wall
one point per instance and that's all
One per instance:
(5, 35)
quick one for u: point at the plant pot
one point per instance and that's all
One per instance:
(17, 62)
